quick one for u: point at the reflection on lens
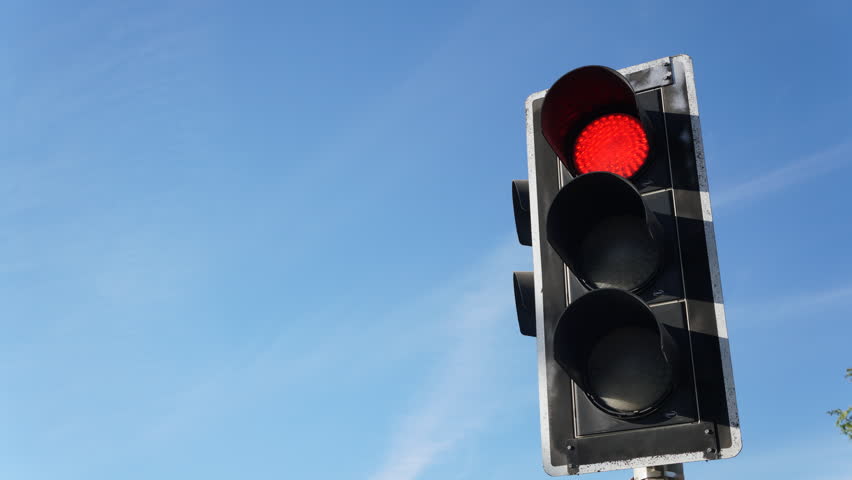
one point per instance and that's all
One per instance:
(627, 370)
(618, 253)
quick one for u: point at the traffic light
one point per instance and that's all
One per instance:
(625, 299)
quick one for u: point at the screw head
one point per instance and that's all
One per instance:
(711, 450)
(569, 447)
(708, 431)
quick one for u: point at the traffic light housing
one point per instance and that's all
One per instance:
(625, 299)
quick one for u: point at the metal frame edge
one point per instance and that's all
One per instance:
(685, 62)
(544, 419)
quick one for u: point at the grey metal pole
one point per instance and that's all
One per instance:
(669, 472)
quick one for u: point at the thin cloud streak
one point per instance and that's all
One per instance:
(453, 408)
(808, 456)
(451, 393)
(794, 305)
(794, 172)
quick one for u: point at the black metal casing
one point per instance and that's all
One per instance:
(698, 418)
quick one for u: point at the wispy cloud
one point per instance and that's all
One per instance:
(791, 173)
(804, 456)
(456, 404)
(793, 306)
(451, 400)
(77, 85)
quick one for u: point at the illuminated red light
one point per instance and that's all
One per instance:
(614, 143)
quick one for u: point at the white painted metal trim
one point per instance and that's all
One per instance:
(685, 63)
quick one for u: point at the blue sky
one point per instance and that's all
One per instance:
(275, 240)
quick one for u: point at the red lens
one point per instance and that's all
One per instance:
(614, 143)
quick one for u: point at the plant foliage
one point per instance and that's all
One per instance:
(844, 417)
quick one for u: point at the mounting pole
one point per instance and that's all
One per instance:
(661, 472)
